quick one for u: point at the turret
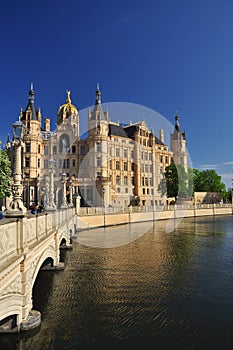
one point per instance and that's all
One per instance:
(178, 145)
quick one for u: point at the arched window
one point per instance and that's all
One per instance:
(73, 149)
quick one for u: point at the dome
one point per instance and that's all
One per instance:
(66, 110)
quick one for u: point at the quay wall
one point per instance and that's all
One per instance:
(91, 218)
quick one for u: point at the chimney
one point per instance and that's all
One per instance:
(47, 124)
(161, 135)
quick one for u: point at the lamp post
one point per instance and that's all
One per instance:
(103, 199)
(103, 192)
(71, 193)
(51, 204)
(16, 208)
(46, 193)
(64, 201)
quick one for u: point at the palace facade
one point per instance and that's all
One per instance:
(112, 165)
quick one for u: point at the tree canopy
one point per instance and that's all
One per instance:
(207, 181)
(178, 183)
(5, 174)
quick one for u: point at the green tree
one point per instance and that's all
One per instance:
(172, 182)
(5, 174)
(207, 181)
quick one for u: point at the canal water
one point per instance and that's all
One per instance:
(160, 291)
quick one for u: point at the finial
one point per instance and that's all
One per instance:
(31, 86)
(97, 95)
(68, 96)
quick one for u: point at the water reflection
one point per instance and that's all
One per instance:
(163, 290)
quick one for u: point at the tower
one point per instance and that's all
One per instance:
(98, 144)
(178, 145)
(33, 151)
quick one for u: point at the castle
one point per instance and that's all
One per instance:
(113, 165)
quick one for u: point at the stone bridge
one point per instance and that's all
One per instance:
(27, 245)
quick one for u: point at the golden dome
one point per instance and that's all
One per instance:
(66, 110)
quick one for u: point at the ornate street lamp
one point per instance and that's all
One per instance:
(71, 193)
(103, 192)
(16, 208)
(64, 201)
(51, 204)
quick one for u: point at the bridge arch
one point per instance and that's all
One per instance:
(49, 252)
(11, 305)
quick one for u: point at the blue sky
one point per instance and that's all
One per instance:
(165, 55)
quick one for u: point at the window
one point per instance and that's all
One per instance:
(117, 165)
(132, 166)
(46, 150)
(110, 164)
(146, 156)
(118, 190)
(38, 148)
(125, 153)
(82, 150)
(60, 163)
(73, 149)
(141, 155)
(143, 181)
(98, 147)
(132, 154)
(132, 180)
(146, 168)
(143, 191)
(27, 162)
(126, 190)
(125, 166)
(117, 152)
(38, 163)
(125, 180)
(150, 156)
(118, 180)
(146, 181)
(46, 164)
(28, 147)
(98, 161)
(166, 159)
(54, 149)
(73, 162)
(161, 159)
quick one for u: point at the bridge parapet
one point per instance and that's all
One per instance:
(25, 244)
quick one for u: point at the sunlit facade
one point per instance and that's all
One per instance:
(113, 165)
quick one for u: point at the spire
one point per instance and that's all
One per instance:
(98, 95)
(31, 94)
(31, 102)
(177, 124)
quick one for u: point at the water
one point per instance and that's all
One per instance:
(161, 291)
